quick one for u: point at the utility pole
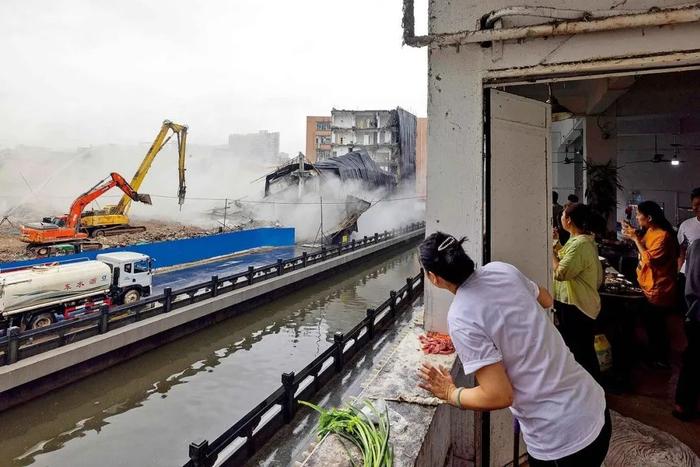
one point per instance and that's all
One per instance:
(225, 212)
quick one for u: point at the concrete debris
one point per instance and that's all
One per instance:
(11, 249)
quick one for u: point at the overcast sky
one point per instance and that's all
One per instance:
(81, 72)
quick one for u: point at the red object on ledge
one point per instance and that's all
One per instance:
(436, 343)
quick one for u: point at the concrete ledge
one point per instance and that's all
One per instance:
(424, 432)
(38, 374)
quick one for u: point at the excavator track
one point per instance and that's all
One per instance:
(117, 230)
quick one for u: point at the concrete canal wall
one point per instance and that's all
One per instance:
(39, 374)
(173, 252)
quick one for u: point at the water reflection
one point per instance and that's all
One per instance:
(194, 387)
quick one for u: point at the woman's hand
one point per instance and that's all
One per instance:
(437, 380)
(555, 234)
(629, 232)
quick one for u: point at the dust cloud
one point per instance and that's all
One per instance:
(38, 182)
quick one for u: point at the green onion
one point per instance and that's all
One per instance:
(357, 427)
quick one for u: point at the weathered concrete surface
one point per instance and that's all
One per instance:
(64, 359)
(421, 426)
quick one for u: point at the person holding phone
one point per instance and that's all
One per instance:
(656, 274)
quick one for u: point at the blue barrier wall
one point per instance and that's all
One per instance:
(173, 252)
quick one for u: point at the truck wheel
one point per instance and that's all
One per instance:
(132, 296)
(98, 233)
(41, 321)
(42, 252)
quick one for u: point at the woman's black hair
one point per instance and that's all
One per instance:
(581, 216)
(658, 218)
(443, 255)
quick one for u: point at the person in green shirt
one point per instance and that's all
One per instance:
(578, 275)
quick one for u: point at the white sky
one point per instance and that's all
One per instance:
(81, 72)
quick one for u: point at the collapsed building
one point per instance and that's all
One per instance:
(355, 168)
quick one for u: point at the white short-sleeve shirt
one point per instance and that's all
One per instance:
(495, 317)
(688, 232)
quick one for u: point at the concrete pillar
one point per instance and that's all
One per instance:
(600, 147)
(455, 169)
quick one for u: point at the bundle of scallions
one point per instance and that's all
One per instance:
(367, 429)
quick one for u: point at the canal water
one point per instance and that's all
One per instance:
(144, 412)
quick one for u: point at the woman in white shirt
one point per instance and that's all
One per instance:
(501, 333)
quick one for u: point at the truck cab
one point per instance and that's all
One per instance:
(131, 275)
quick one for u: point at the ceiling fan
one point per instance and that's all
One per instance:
(658, 158)
(568, 160)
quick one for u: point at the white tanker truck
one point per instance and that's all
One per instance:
(38, 296)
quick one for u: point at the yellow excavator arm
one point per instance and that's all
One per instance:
(113, 220)
(162, 138)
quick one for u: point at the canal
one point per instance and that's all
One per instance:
(146, 411)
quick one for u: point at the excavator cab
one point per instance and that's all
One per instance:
(67, 228)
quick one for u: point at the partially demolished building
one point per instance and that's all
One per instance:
(388, 136)
(355, 169)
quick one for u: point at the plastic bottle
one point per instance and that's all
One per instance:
(603, 351)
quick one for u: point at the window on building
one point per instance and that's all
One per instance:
(323, 126)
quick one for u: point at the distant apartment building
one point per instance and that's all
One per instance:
(389, 136)
(421, 156)
(318, 138)
(263, 146)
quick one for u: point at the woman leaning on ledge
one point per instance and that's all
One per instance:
(502, 334)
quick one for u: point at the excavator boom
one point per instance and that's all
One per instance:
(180, 131)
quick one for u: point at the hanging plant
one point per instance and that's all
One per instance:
(602, 187)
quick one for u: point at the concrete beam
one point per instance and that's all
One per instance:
(603, 93)
(455, 169)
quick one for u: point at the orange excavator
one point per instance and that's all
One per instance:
(66, 229)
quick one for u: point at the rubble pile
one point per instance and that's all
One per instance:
(11, 249)
(156, 232)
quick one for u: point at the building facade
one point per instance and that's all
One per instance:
(389, 136)
(497, 74)
(318, 138)
(263, 146)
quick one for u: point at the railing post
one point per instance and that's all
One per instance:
(339, 358)
(289, 405)
(167, 300)
(323, 251)
(352, 245)
(280, 266)
(376, 237)
(214, 286)
(12, 344)
(199, 451)
(371, 313)
(304, 258)
(409, 286)
(251, 275)
(364, 240)
(392, 303)
(103, 325)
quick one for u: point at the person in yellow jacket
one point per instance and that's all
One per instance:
(578, 274)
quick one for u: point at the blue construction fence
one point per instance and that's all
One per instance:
(172, 252)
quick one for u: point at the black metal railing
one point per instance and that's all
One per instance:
(17, 344)
(248, 434)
